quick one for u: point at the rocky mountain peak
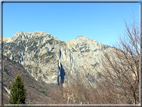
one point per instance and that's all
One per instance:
(29, 35)
(16, 35)
(56, 38)
(39, 33)
(81, 37)
(39, 53)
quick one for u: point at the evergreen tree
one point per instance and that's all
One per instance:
(17, 92)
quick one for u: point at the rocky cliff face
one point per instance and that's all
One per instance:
(40, 52)
(37, 92)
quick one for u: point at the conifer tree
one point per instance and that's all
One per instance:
(17, 92)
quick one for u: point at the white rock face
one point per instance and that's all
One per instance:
(17, 35)
(8, 91)
(40, 53)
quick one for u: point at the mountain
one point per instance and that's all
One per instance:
(40, 54)
(37, 92)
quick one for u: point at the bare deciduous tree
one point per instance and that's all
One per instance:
(119, 76)
(120, 69)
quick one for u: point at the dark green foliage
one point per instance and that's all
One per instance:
(17, 92)
(40, 71)
(81, 48)
(74, 50)
(62, 43)
(12, 45)
(16, 57)
(44, 76)
(52, 56)
(29, 42)
(36, 69)
(77, 46)
(82, 51)
(47, 54)
(48, 41)
(98, 76)
(41, 38)
(96, 50)
(50, 53)
(30, 71)
(56, 41)
(6, 70)
(87, 50)
(47, 60)
(91, 78)
(21, 47)
(35, 56)
(5, 47)
(8, 59)
(36, 73)
(29, 66)
(87, 75)
(34, 47)
(35, 43)
(14, 62)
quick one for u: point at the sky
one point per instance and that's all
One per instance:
(102, 22)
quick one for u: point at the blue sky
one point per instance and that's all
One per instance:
(98, 21)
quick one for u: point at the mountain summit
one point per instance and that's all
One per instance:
(39, 52)
(83, 38)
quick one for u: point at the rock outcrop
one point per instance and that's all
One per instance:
(40, 52)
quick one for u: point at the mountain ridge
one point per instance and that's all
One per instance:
(37, 92)
(40, 33)
(39, 52)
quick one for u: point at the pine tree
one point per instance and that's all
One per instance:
(17, 92)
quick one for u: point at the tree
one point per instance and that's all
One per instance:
(17, 92)
(118, 81)
(120, 69)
